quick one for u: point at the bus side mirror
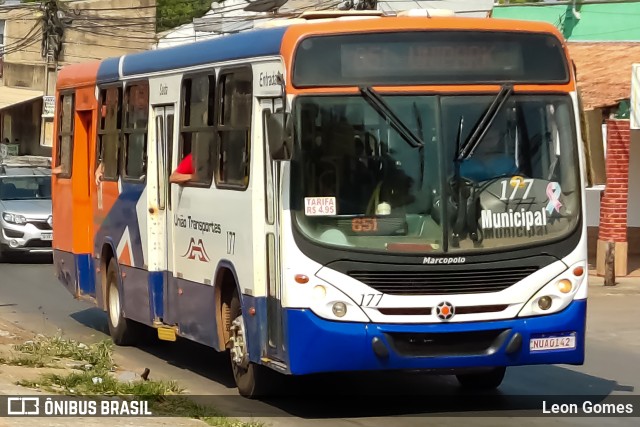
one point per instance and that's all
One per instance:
(279, 135)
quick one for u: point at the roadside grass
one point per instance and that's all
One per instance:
(98, 355)
(93, 374)
(27, 361)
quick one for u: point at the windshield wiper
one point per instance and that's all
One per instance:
(384, 110)
(421, 149)
(480, 129)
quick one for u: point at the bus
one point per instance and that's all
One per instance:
(363, 193)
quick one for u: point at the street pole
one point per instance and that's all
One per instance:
(610, 265)
(52, 32)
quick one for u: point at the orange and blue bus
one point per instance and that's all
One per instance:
(367, 193)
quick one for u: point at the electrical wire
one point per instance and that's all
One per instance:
(103, 30)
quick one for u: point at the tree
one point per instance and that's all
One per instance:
(173, 13)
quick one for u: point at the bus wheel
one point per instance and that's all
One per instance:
(251, 379)
(486, 380)
(123, 331)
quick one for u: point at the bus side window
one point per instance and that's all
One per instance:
(196, 126)
(109, 132)
(64, 154)
(234, 128)
(135, 131)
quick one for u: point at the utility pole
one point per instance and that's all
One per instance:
(52, 34)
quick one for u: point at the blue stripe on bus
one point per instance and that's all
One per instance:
(108, 72)
(84, 268)
(134, 294)
(156, 292)
(248, 44)
(317, 345)
(65, 266)
(123, 216)
(194, 310)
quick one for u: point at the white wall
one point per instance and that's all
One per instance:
(592, 195)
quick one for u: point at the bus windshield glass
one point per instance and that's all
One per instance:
(360, 183)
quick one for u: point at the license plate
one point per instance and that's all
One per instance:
(47, 236)
(563, 342)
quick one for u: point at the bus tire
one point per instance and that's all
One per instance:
(487, 380)
(123, 331)
(252, 380)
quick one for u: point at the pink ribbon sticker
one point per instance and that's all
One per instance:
(553, 193)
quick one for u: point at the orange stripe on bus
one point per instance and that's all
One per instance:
(434, 89)
(295, 33)
(72, 201)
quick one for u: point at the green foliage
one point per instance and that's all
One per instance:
(173, 13)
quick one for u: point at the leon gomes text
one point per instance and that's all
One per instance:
(587, 407)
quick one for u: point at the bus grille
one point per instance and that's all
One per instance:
(431, 282)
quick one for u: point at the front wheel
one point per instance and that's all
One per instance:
(253, 380)
(123, 331)
(487, 380)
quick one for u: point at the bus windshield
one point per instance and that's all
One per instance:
(360, 183)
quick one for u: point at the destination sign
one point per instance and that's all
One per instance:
(429, 57)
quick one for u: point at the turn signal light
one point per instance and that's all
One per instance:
(301, 278)
(578, 271)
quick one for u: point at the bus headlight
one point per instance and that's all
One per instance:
(339, 309)
(328, 302)
(319, 292)
(565, 286)
(555, 295)
(545, 302)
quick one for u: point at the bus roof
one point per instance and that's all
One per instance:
(77, 75)
(282, 40)
(248, 44)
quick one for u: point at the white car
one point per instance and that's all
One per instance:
(25, 208)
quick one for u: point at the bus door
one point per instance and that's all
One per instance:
(275, 347)
(160, 210)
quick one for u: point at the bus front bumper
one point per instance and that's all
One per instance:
(316, 345)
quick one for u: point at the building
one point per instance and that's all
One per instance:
(78, 31)
(604, 42)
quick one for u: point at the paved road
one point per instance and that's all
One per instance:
(31, 297)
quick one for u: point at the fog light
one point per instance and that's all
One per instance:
(564, 286)
(339, 309)
(13, 243)
(319, 292)
(544, 303)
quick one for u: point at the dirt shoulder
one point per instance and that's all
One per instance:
(34, 364)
